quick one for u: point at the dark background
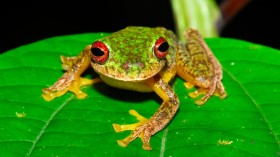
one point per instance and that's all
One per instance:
(23, 22)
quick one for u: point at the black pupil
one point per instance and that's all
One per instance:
(97, 51)
(163, 47)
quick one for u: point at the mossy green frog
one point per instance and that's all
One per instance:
(144, 59)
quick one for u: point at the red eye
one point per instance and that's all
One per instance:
(100, 52)
(161, 48)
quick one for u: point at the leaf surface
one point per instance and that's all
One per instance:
(247, 123)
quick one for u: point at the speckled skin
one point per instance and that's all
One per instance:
(133, 65)
(130, 53)
(198, 65)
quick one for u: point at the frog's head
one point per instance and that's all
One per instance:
(132, 54)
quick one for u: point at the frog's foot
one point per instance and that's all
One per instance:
(140, 129)
(188, 85)
(197, 93)
(68, 83)
(216, 89)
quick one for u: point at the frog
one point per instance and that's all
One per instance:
(144, 59)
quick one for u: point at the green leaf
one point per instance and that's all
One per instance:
(247, 123)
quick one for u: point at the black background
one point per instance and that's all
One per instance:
(23, 22)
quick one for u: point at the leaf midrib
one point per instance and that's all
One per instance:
(47, 123)
(256, 105)
(163, 142)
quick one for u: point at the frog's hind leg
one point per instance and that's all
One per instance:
(197, 65)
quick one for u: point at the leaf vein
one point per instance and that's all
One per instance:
(47, 124)
(256, 105)
(163, 142)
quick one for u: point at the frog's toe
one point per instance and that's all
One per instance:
(200, 102)
(47, 97)
(49, 94)
(197, 93)
(120, 128)
(188, 85)
(86, 81)
(207, 94)
(147, 147)
(145, 139)
(223, 95)
(117, 127)
(138, 131)
(220, 91)
(141, 119)
(193, 94)
(137, 115)
(124, 142)
(79, 94)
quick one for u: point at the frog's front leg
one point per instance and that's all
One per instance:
(199, 67)
(145, 128)
(71, 80)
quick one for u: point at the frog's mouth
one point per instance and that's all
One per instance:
(130, 71)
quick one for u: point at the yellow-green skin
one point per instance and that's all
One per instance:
(132, 59)
(133, 65)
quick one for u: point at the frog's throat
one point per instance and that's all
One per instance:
(127, 74)
(139, 86)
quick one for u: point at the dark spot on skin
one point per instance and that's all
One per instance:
(157, 78)
(141, 65)
(126, 66)
(106, 70)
